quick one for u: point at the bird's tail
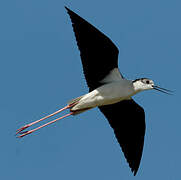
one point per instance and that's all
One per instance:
(75, 101)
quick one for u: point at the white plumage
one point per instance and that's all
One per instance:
(108, 91)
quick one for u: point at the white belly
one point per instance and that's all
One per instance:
(107, 94)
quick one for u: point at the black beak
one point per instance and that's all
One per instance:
(163, 90)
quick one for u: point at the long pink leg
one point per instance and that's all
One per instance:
(29, 132)
(28, 125)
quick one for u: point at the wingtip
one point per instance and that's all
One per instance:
(134, 171)
(68, 10)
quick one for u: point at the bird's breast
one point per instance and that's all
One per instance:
(106, 94)
(115, 92)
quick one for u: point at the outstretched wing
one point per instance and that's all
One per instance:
(127, 119)
(98, 53)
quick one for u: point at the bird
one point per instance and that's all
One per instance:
(108, 90)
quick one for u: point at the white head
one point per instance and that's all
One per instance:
(143, 84)
(146, 84)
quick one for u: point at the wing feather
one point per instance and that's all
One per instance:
(98, 53)
(127, 119)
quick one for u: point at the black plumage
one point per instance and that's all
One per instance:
(128, 129)
(99, 56)
(98, 53)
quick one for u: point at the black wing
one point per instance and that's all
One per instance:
(127, 119)
(98, 53)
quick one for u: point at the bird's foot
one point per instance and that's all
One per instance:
(19, 131)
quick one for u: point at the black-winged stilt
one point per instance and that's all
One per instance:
(108, 91)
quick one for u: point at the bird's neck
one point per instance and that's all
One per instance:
(137, 86)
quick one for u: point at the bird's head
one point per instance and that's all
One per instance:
(146, 84)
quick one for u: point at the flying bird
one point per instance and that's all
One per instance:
(108, 90)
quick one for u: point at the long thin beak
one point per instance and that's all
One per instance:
(163, 90)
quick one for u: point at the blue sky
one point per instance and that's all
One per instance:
(40, 71)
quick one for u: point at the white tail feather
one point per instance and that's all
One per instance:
(75, 101)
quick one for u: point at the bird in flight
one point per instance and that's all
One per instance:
(108, 90)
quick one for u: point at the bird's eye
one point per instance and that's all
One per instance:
(147, 82)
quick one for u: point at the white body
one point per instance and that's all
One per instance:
(114, 90)
(107, 94)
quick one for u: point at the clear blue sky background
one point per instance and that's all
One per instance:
(40, 71)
